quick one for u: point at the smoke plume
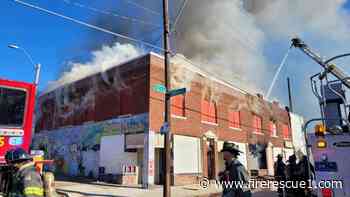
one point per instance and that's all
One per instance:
(239, 41)
(102, 60)
(224, 39)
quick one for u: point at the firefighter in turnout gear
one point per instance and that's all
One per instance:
(234, 172)
(25, 181)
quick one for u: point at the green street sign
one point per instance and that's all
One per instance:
(176, 92)
(159, 88)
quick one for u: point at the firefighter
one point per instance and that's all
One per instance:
(292, 176)
(234, 173)
(25, 180)
(306, 172)
(280, 175)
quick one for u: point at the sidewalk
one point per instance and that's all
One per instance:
(99, 189)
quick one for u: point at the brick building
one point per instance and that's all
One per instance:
(112, 120)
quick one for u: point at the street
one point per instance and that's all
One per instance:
(76, 189)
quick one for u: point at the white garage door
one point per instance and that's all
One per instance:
(112, 155)
(187, 157)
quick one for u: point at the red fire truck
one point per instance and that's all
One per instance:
(17, 101)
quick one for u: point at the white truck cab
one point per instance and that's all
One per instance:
(332, 164)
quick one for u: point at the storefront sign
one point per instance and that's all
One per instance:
(133, 124)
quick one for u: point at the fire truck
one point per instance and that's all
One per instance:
(329, 145)
(17, 101)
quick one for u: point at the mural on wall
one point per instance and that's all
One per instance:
(70, 146)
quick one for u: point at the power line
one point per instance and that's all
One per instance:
(207, 72)
(142, 7)
(87, 24)
(224, 119)
(179, 15)
(94, 9)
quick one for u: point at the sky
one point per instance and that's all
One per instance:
(53, 41)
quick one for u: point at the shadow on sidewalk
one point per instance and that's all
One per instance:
(87, 181)
(85, 194)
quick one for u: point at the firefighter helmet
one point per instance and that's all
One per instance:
(17, 155)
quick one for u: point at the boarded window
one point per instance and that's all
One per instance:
(178, 105)
(234, 119)
(273, 128)
(285, 129)
(257, 124)
(208, 111)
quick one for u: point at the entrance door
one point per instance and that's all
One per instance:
(161, 165)
(211, 159)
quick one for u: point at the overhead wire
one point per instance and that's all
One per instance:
(142, 7)
(207, 72)
(179, 15)
(115, 34)
(221, 118)
(96, 10)
(87, 24)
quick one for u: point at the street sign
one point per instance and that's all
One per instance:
(159, 88)
(176, 92)
(165, 128)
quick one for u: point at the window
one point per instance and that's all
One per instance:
(273, 128)
(285, 129)
(257, 124)
(208, 111)
(234, 119)
(12, 105)
(178, 105)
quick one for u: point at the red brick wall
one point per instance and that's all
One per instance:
(127, 93)
(192, 125)
(186, 179)
(228, 98)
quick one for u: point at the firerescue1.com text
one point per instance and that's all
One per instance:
(266, 184)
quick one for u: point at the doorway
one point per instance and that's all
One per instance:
(211, 159)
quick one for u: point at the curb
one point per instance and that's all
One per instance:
(61, 193)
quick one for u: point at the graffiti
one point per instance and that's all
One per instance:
(68, 145)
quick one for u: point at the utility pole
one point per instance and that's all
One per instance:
(167, 80)
(290, 96)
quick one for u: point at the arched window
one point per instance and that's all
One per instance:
(209, 111)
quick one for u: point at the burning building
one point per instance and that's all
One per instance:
(101, 125)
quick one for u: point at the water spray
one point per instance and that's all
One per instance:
(277, 73)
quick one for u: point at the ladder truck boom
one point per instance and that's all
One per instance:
(329, 68)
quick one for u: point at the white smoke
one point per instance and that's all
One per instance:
(102, 60)
(323, 24)
(241, 42)
(245, 40)
(224, 39)
(322, 18)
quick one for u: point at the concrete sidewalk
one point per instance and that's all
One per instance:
(99, 189)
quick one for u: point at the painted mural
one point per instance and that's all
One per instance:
(75, 150)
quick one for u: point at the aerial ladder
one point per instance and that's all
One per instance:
(329, 145)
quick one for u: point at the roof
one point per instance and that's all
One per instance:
(206, 74)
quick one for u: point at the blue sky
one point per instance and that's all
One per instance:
(50, 40)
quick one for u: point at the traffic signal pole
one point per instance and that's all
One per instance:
(167, 81)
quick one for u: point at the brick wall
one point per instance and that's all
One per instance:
(228, 98)
(123, 90)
